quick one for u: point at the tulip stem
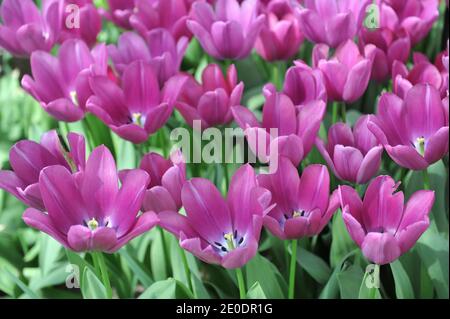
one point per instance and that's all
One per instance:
(334, 114)
(292, 268)
(426, 179)
(99, 262)
(241, 283)
(344, 112)
(186, 270)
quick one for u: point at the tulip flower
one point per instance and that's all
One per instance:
(304, 84)
(219, 231)
(416, 17)
(391, 42)
(347, 73)
(380, 224)
(167, 177)
(87, 211)
(413, 130)
(119, 12)
(159, 49)
(168, 14)
(25, 29)
(28, 159)
(210, 102)
(280, 37)
(89, 23)
(229, 31)
(423, 71)
(303, 204)
(331, 22)
(353, 156)
(60, 84)
(297, 127)
(137, 108)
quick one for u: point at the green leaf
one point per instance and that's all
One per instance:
(256, 292)
(349, 281)
(28, 292)
(313, 265)
(434, 253)
(92, 287)
(370, 281)
(157, 257)
(341, 244)
(136, 267)
(403, 287)
(48, 254)
(261, 270)
(166, 289)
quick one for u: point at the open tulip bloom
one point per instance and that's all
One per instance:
(381, 224)
(87, 211)
(224, 149)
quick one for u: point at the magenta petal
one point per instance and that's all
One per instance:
(314, 188)
(357, 81)
(309, 119)
(64, 110)
(157, 117)
(279, 112)
(10, 182)
(290, 147)
(201, 250)
(175, 223)
(240, 256)
(418, 208)
(351, 203)
(295, 228)
(131, 132)
(407, 156)
(369, 165)
(158, 199)
(39, 220)
(204, 37)
(144, 223)
(243, 117)
(274, 227)
(437, 146)
(354, 228)
(408, 236)
(206, 209)
(380, 248)
(129, 200)
(347, 161)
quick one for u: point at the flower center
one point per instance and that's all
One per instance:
(420, 145)
(137, 118)
(74, 97)
(232, 241)
(92, 224)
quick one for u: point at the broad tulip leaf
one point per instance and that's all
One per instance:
(403, 287)
(256, 292)
(92, 287)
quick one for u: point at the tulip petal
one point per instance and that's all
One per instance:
(380, 248)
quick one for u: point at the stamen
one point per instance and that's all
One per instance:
(420, 142)
(74, 97)
(137, 118)
(92, 224)
(230, 240)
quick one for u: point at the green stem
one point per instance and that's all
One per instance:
(426, 179)
(241, 283)
(343, 112)
(334, 115)
(164, 247)
(99, 263)
(187, 270)
(292, 268)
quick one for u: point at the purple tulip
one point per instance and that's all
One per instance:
(168, 14)
(391, 43)
(332, 22)
(229, 31)
(25, 29)
(423, 71)
(159, 49)
(416, 17)
(87, 211)
(297, 126)
(280, 37)
(413, 130)
(90, 22)
(137, 108)
(28, 159)
(219, 231)
(303, 204)
(210, 102)
(167, 177)
(119, 12)
(60, 84)
(347, 73)
(304, 84)
(380, 224)
(353, 156)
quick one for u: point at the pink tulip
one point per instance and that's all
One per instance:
(28, 159)
(210, 102)
(228, 31)
(297, 126)
(137, 108)
(303, 204)
(60, 84)
(413, 130)
(280, 37)
(353, 156)
(219, 231)
(347, 73)
(119, 12)
(331, 22)
(380, 224)
(87, 211)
